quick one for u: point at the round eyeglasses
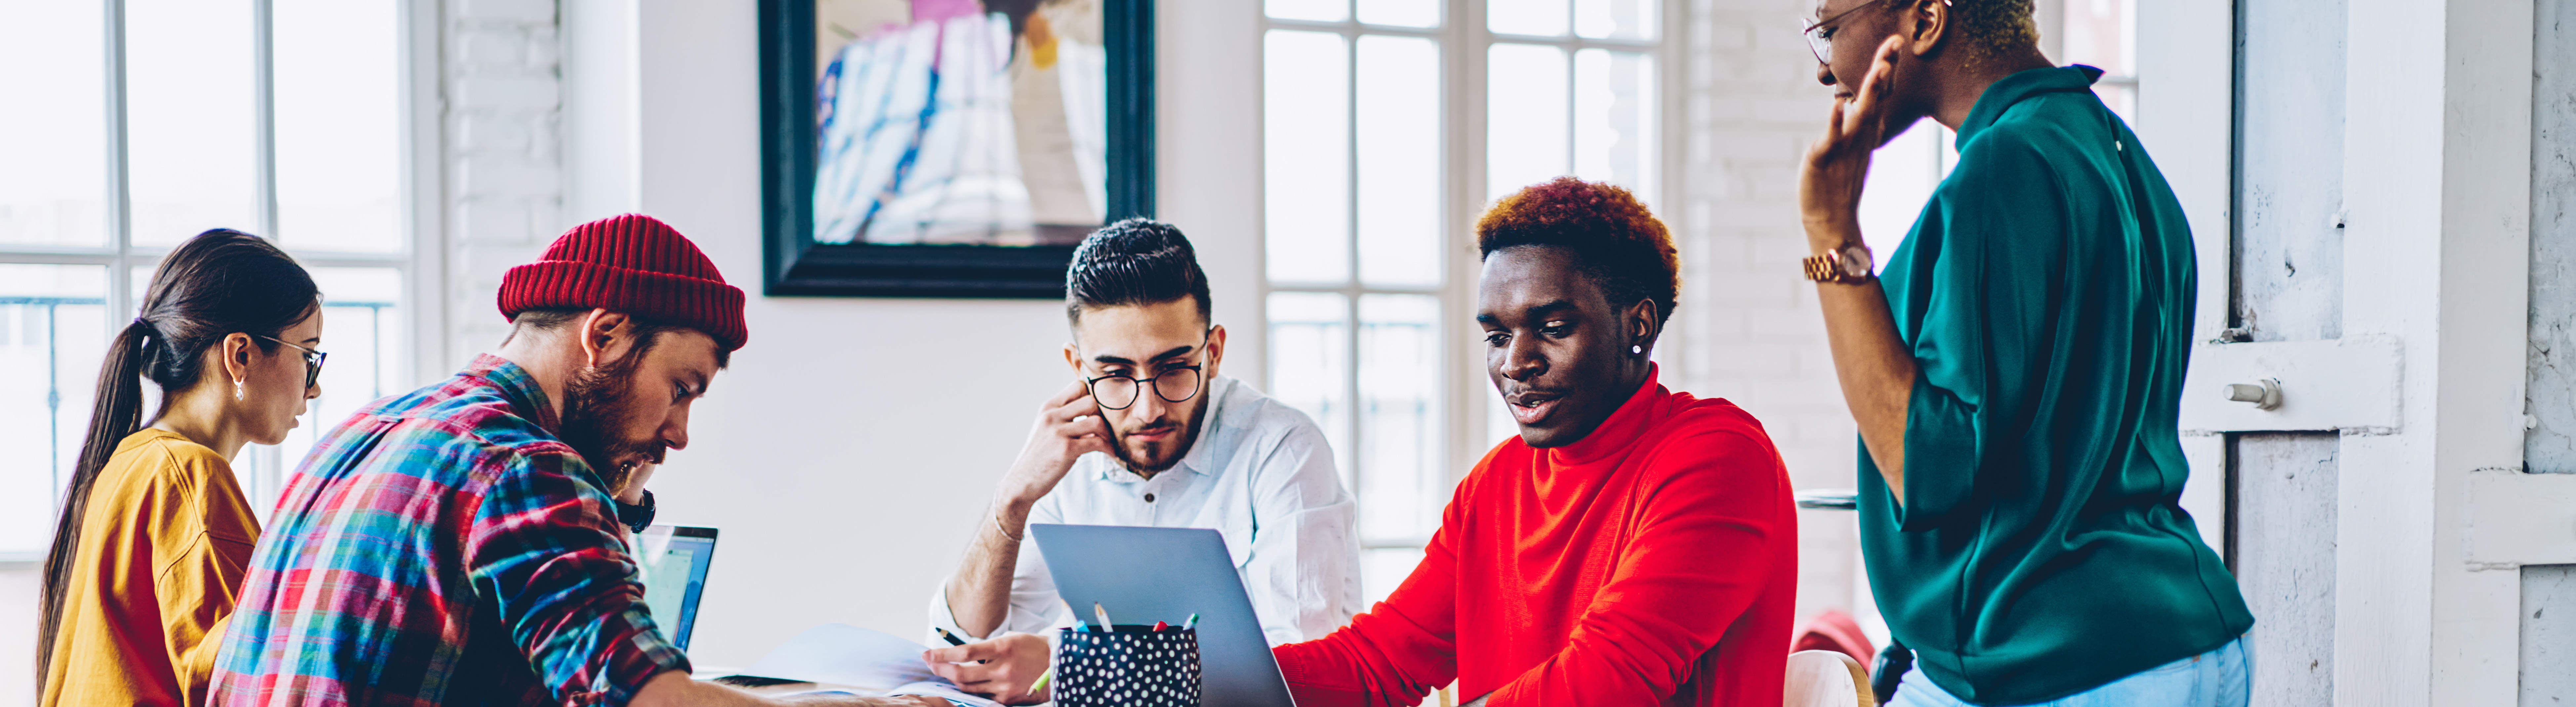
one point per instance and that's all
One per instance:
(312, 361)
(1117, 392)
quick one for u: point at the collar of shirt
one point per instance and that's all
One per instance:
(1197, 460)
(516, 386)
(2005, 92)
(1621, 429)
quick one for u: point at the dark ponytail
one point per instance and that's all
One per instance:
(217, 284)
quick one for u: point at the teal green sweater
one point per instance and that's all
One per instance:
(2046, 293)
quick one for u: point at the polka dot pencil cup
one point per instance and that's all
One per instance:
(1128, 665)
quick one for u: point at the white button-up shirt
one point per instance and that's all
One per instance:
(1261, 474)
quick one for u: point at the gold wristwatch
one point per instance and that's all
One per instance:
(1849, 264)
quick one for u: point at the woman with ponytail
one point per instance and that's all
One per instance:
(154, 531)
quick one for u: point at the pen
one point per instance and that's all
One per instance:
(1103, 615)
(1193, 620)
(952, 639)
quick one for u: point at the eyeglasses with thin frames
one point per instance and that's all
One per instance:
(312, 361)
(1820, 33)
(1119, 391)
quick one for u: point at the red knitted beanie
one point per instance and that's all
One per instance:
(633, 264)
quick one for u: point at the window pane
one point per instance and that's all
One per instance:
(53, 334)
(338, 125)
(1399, 160)
(188, 117)
(360, 331)
(1525, 117)
(1401, 13)
(1306, 153)
(1382, 570)
(2097, 34)
(1317, 10)
(1615, 19)
(1614, 120)
(1403, 478)
(1542, 18)
(1309, 348)
(54, 139)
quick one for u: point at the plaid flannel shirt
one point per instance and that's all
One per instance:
(443, 547)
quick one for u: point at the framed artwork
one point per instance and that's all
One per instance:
(949, 148)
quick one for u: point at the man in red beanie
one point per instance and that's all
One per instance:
(461, 544)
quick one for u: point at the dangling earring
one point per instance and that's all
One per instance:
(237, 390)
(1635, 349)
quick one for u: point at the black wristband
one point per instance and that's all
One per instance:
(636, 516)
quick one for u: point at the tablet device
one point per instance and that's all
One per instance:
(1144, 575)
(674, 561)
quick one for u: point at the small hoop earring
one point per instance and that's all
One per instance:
(237, 389)
(1635, 349)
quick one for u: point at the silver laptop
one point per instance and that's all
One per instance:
(1144, 575)
(674, 561)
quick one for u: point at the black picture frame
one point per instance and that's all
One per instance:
(794, 265)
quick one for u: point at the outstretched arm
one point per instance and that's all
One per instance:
(1400, 650)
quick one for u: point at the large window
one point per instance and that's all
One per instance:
(138, 123)
(1388, 125)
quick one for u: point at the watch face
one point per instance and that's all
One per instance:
(1855, 260)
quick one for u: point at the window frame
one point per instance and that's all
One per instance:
(418, 262)
(1464, 42)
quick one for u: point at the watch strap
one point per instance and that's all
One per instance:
(636, 516)
(1827, 267)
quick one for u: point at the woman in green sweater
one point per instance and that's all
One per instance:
(2016, 374)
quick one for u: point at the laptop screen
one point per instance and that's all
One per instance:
(674, 562)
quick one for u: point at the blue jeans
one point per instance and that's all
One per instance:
(2219, 678)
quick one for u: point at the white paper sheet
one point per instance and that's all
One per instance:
(870, 661)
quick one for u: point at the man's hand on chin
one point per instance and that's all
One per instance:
(1068, 426)
(1011, 665)
(674, 689)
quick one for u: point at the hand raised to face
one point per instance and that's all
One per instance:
(1068, 426)
(1837, 165)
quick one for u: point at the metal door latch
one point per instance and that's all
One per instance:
(2264, 396)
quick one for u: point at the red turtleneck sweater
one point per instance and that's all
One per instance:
(1653, 562)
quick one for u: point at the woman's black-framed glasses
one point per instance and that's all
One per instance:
(312, 361)
(1118, 391)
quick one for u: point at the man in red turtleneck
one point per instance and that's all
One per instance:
(1634, 546)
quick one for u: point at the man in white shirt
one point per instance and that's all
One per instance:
(1150, 435)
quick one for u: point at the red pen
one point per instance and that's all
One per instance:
(1158, 626)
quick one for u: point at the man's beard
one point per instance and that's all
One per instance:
(1189, 438)
(593, 414)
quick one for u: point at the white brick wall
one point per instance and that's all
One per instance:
(502, 80)
(1752, 332)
